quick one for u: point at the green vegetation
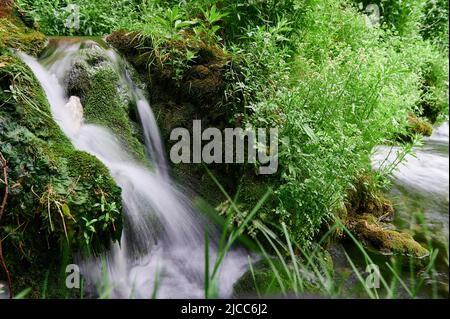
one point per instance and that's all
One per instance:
(334, 85)
(335, 82)
(289, 269)
(58, 196)
(14, 34)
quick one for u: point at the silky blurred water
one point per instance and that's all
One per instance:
(421, 183)
(163, 236)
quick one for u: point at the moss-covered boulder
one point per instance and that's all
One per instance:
(380, 237)
(415, 125)
(60, 200)
(367, 216)
(134, 46)
(272, 277)
(95, 79)
(186, 80)
(57, 187)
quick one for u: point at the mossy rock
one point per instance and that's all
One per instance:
(185, 89)
(367, 214)
(263, 281)
(365, 198)
(419, 125)
(14, 34)
(416, 125)
(106, 102)
(58, 196)
(375, 235)
(179, 98)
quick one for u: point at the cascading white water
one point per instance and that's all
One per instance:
(159, 219)
(421, 182)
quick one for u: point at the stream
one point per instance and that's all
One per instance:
(420, 193)
(421, 183)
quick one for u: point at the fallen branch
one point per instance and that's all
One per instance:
(4, 168)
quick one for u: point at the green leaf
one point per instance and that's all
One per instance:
(66, 210)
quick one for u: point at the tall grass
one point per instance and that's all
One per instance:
(295, 271)
(305, 271)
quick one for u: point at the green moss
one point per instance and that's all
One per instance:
(263, 281)
(419, 125)
(105, 102)
(403, 243)
(435, 101)
(14, 34)
(250, 283)
(375, 235)
(104, 107)
(190, 69)
(415, 125)
(55, 190)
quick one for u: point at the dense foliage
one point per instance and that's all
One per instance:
(332, 76)
(334, 82)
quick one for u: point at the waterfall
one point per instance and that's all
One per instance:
(163, 235)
